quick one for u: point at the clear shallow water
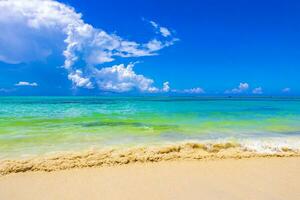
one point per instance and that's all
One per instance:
(39, 125)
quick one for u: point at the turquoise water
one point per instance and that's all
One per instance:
(39, 125)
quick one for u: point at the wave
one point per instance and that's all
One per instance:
(172, 152)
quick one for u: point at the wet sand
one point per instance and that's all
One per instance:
(249, 178)
(147, 154)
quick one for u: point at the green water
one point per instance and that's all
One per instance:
(38, 125)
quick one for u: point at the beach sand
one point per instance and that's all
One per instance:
(250, 178)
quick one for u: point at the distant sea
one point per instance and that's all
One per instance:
(42, 125)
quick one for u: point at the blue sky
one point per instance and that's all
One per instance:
(150, 47)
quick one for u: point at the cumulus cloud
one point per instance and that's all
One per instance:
(78, 80)
(25, 83)
(31, 30)
(286, 90)
(257, 90)
(121, 78)
(22, 37)
(240, 89)
(166, 87)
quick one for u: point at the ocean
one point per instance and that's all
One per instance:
(35, 126)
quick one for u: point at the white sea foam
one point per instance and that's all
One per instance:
(271, 145)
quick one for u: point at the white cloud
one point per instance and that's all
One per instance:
(162, 30)
(78, 80)
(121, 78)
(197, 90)
(154, 45)
(286, 90)
(25, 83)
(154, 24)
(243, 86)
(257, 90)
(26, 29)
(240, 89)
(166, 87)
(31, 30)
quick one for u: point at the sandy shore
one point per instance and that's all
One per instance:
(252, 178)
(147, 154)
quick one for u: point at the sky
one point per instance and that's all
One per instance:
(150, 47)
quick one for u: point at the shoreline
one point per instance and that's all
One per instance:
(227, 179)
(114, 157)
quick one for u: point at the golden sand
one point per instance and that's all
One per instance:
(112, 157)
(221, 179)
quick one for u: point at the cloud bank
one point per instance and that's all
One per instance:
(197, 90)
(31, 30)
